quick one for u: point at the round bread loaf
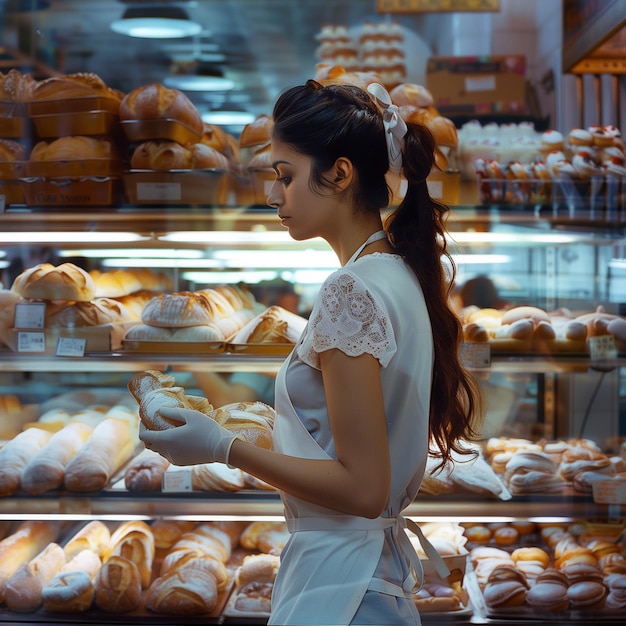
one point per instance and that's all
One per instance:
(16, 87)
(73, 148)
(161, 155)
(256, 132)
(411, 93)
(205, 157)
(157, 102)
(48, 282)
(118, 586)
(176, 310)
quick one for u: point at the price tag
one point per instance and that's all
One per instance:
(71, 346)
(475, 355)
(178, 479)
(30, 315)
(612, 491)
(159, 191)
(31, 342)
(602, 348)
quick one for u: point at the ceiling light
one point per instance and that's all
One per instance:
(157, 22)
(228, 118)
(197, 82)
(69, 237)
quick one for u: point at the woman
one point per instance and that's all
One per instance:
(375, 376)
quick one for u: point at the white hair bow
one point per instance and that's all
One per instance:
(395, 127)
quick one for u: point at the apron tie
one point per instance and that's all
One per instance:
(399, 525)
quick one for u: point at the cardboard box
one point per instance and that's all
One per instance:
(478, 85)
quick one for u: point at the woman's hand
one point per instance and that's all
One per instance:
(199, 438)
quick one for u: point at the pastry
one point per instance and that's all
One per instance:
(118, 586)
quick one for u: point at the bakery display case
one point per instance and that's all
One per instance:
(543, 400)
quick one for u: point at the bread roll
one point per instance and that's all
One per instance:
(118, 586)
(217, 477)
(23, 591)
(157, 102)
(134, 541)
(16, 87)
(11, 151)
(145, 472)
(70, 591)
(21, 546)
(111, 444)
(49, 282)
(15, 456)
(205, 157)
(46, 470)
(257, 132)
(411, 93)
(258, 567)
(73, 148)
(93, 537)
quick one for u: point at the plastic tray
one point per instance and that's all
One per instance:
(79, 123)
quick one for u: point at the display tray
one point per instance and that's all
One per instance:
(149, 130)
(78, 123)
(73, 105)
(14, 127)
(276, 349)
(174, 347)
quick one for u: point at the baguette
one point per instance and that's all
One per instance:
(110, 445)
(46, 470)
(22, 545)
(23, 591)
(15, 456)
(94, 536)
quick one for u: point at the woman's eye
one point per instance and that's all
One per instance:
(284, 180)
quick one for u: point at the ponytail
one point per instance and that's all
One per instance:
(417, 232)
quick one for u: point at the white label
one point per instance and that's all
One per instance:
(71, 346)
(602, 348)
(31, 342)
(178, 479)
(484, 83)
(159, 191)
(435, 188)
(475, 355)
(609, 491)
(30, 315)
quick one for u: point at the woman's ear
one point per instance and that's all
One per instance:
(342, 172)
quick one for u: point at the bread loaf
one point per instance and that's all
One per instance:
(133, 541)
(217, 477)
(253, 427)
(175, 310)
(79, 85)
(157, 102)
(160, 155)
(73, 148)
(118, 586)
(46, 470)
(257, 132)
(187, 590)
(205, 157)
(23, 591)
(94, 537)
(110, 445)
(145, 472)
(49, 282)
(16, 87)
(15, 456)
(274, 325)
(22, 545)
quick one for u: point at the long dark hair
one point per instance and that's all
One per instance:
(332, 121)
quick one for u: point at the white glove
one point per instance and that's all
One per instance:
(199, 439)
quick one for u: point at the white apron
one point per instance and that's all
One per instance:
(330, 559)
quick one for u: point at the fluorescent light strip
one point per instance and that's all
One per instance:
(226, 237)
(164, 263)
(545, 238)
(477, 259)
(277, 258)
(70, 237)
(133, 253)
(228, 278)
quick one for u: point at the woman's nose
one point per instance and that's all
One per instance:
(273, 199)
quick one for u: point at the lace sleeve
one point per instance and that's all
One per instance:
(347, 317)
